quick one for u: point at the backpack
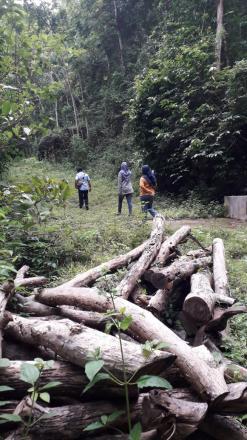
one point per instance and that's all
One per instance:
(79, 182)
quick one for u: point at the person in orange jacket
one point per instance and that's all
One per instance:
(148, 185)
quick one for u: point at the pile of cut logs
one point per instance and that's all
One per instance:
(67, 323)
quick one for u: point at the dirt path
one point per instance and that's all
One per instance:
(208, 223)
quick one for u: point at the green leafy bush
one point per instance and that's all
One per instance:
(191, 120)
(24, 206)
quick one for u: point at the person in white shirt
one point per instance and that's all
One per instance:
(83, 184)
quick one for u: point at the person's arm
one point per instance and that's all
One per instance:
(119, 183)
(89, 183)
(76, 181)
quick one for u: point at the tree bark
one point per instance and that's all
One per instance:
(76, 343)
(219, 33)
(219, 321)
(199, 253)
(89, 277)
(170, 244)
(223, 428)
(181, 269)
(235, 402)
(6, 292)
(208, 381)
(159, 301)
(13, 350)
(200, 302)
(68, 422)
(152, 247)
(90, 319)
(119, 35)
(30, 306)
(221, 286)
(72, 382)
(21, 281)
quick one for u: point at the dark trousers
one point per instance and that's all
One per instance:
(129, 202)
(147, 204)
(83, 198)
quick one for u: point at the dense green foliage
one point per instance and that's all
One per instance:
(23, 207)
(106, 80)
(189, 118)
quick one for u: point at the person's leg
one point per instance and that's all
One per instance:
(120, 203)
(151, 210)
(144, 205)
(129, 201)
(86, 198)
(80, 198)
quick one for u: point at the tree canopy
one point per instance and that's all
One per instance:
(162, 82)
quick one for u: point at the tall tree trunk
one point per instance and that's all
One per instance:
(219, 34)
(120, 41)
(56, 113)
(84, 112)
(67, 81)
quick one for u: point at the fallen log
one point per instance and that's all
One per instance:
(90, 319)
(70, 420)
(152, 247)
(200, 302)
(208, 381)
(13, 350)
(180, 269)
(21, 281)
(77, 343)
(223, 428)
(199, 253)
(89, 277)
(187, 409)
(6, 292)
(221, 286)
(139, 298)
(235, 402)
(32, 307)
(71, 378)
(232, 404)
(218, 323)
(159, 301)
(168, 246)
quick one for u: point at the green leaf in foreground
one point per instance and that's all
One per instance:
(4, 363)
(136, 431)
(4, 388)
(126, 322)
(104, 419)
(93, 426)
(153, 382)
(112, 417)
(92, 368)
(29, 373)
(11, 417)
(4, 402)
(45, 397)
(97, 378)
(50, 385)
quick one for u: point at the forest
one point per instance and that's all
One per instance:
(117, 327)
